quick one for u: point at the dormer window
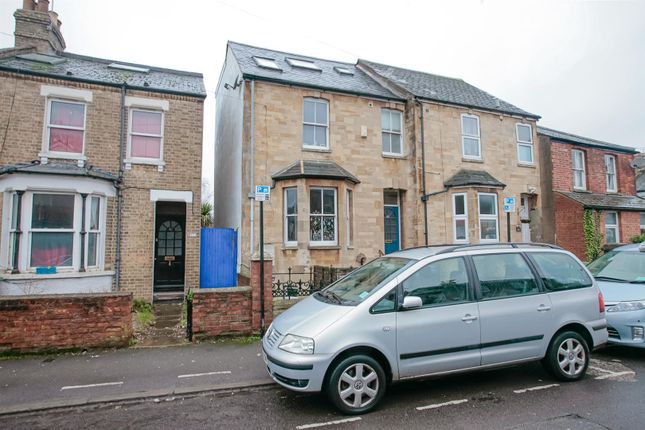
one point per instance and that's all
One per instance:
(267, 63)
(344, 71)
(303, 64)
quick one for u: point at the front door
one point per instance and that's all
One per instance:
(170, 238)
(391, 222)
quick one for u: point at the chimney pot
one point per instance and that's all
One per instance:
(28, 5)
(43, 5)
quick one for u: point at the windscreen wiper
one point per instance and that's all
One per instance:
(333, 296)
(610, 279)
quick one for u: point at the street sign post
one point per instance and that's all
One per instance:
(509, 206)
(262, 194)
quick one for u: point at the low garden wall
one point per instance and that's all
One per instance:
(66, 321)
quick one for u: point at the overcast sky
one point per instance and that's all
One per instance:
(578, 64)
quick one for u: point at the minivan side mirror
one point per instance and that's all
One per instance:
(411, 302)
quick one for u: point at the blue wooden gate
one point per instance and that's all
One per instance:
(218, 253)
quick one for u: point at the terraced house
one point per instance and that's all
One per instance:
(587, 174)
(365, 159)
(101, 169)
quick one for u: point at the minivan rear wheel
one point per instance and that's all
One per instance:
(356, 384)
(568, 356)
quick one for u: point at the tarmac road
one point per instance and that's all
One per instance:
(522, 397)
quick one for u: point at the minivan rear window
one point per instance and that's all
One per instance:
(364, 281)
(560, 271)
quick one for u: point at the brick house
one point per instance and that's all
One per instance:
(101, 169)
(587, 174)
(343, 147)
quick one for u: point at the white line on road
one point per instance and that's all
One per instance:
(192, 375)
(539, 387)
(600, 369)
(613, 375)
(103, 384)
(439, 405)
(328, 423)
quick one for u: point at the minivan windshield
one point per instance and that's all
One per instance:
(620, 266)
(364, 281)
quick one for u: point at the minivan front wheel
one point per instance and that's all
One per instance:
(356, 384)
(568, 356)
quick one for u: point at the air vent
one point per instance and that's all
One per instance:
(42, 58)
(267, 63)
(128, 68)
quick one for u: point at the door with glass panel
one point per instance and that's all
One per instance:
(170, 247)
(391, 221)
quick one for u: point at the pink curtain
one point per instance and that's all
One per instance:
(64, 140)
(67, 114)
(146, 122)
(145, 147)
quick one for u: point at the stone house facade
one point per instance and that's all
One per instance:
(342, 147)
(101, 169)
(587, 174)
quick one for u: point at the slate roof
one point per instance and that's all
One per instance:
(464, 178)
(96, 70)
(321, 169)
(326, 79)
(67, 169)
(443, 89)
(584, 141)
(607, 201)
(639, 161)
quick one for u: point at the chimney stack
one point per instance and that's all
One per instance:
(39, 28)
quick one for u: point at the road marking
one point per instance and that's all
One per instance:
(615, 374)
(539, 387)
(600, 369)
(103, 384)
(192, 375)
(328, 423)
(439, 405)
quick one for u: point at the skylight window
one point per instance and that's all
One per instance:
(128, 68)
(42, 58)
(303, 64)
(267, 63)
(344, 71)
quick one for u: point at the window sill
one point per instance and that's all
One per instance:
(149, 162)
(395, 156)
(314, 149)
(59, 275)
(45, 156)
(472, 160)
(528, 165)
(581, 190)
(289, 247)
(324, 247)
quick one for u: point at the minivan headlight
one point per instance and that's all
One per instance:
(627, 306)
(297, 344)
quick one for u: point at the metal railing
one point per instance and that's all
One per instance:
(292, 284)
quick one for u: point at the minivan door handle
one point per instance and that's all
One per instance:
(543, 308)
(469, 318)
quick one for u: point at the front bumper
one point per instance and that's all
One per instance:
(621, 327)
(294, 371)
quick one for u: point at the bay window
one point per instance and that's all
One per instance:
(52, 230)
(291, 217)
(322, 217)
(460, 217)
(488, 221)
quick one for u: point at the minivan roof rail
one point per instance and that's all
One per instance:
(498, 245)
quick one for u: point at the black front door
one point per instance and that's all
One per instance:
(170, 239)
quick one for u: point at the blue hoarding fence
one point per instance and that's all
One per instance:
(218, 253)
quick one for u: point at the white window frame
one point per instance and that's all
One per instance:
(335, 216)
(315, 124)
(24, 256)
(488, 217)
(349, 203)
(46, 152)
(456, 217)
(610, 172)
(469, 136)
(391, 131)
(524, 143)
(612, 226)
(159, 162)
(97, 231)
(287, 242)
(583, 187)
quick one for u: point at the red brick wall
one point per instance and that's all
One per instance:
(38, 323)
(569, 232)
(629, 225)
(595, 168)
(233, 311)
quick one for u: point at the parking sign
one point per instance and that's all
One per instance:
(262, 193)
(509, 204)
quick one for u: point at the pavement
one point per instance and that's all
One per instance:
(40, 383)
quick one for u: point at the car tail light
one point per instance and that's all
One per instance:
(601, 303)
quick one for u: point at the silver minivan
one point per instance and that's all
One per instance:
(438, 310)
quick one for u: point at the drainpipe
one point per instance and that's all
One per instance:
(119, 191)
(252, 185)
(424, 196)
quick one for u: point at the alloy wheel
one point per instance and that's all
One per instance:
(358, 385)
(571, 357)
